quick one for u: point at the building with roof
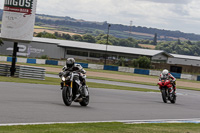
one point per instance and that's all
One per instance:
(60, 49)
(184, 63)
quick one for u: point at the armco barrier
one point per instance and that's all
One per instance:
(51, 62)
(9, 59)
(61, 63)
(84, 65)
(126, 69)
(22, 60)
(32, 72)
(95, 66)
(141, 71)
(198, 78)
(5, 70)
(176, 75)
(189, 77)
(40, 61)
(31, 61)
(3, 58)
(154, 73)
(112, 68)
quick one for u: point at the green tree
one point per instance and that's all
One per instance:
(89, 38)
(46, 35)
(144, 62)
(66, 36)
(121, 61)
(179, 42)
(155, 39)
(77, 38)
(134, 63)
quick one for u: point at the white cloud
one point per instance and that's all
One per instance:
(180, 15)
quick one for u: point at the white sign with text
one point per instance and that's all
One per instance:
(18, 20)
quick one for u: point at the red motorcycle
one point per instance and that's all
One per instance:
(167, 90)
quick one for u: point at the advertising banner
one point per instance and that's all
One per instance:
(18, 20)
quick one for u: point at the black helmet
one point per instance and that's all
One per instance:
(70, 62)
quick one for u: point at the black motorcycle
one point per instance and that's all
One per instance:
(72, 89)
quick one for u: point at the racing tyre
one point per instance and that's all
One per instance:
(85, 101)
(67, 99)
(173, 98)
(164, 97)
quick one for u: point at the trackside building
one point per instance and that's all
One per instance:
(60, 49)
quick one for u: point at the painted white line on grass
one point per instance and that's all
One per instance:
(193, 120)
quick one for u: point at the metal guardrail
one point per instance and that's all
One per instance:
(32, 72)
(5, 70)
(24, 72)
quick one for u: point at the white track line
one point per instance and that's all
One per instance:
(193, 120)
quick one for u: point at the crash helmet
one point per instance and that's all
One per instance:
(165, 72)
(70, 62)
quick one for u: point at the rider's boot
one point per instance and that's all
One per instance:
(61, 85)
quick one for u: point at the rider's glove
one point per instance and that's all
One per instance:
(60, 74)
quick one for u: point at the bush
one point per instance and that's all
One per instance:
(144, 62)
(44, 57)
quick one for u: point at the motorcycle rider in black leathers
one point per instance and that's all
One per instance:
(71, 66)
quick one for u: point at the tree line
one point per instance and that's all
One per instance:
(100, 39)
(178, 47)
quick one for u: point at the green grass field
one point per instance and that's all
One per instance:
(104, 128)
(56, 81)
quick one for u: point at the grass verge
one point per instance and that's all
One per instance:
(133, 82)
(56, 81)
(102, 71)
(114, 127)
(143, 83)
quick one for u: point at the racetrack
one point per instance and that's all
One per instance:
(33, 103)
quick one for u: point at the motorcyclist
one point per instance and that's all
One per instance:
(71, 66)
(165, 74)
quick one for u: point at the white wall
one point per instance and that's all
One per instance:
(159, 57)
(183, 61)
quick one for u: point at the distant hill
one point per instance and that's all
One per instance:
(78, 26)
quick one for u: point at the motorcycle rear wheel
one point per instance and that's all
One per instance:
(85, 101)
(67, 99)
(173, 98)
(164, 97)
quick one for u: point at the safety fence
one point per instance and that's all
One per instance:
(5, 70)
(102, 67)
(23, 72)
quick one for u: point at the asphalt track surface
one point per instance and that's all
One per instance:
(33, 103)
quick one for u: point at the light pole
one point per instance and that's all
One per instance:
(107, 43)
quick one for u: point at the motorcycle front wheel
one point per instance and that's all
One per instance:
(67, 99)
(164, 97)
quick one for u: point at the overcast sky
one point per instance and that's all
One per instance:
(182, 15)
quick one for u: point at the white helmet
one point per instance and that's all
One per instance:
(165, 72)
